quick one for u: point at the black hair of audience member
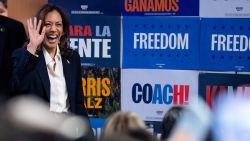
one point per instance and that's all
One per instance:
(169, 121)
(209, 136)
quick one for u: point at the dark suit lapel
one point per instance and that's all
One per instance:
(42, 71)
(67, 75)
(2, 42)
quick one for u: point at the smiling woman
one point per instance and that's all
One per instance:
(56, 26)
(47, 67)
(53, 31)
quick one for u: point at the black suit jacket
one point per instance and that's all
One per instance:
(30, 76)
(12, 36)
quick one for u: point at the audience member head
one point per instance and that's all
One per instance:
(232, 118)
(121, 122)
(169, 121)
(132, 135)
(194, 123)
(27, 118)
(3, 8)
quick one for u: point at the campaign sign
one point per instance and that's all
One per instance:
(154, 127)
(225, 8)
(213, 86)
(101, 91)
(97, 40)
(160, 7)
(161, 42)
(97, 125)
(156, 90)
(90, 7)
(225, 44)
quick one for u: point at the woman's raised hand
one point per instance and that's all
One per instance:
(35, 37)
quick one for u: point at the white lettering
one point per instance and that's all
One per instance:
(98, 48)
(161, 41)
(220, 42)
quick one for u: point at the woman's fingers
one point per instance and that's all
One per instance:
(30, 23)
(43, 32)
(39, 25)
(35, 23)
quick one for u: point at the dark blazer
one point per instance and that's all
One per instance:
(12, 36)
(30, 76)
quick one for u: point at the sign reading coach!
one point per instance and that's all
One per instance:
(158, 94)
(160, 7)
(225, 44)
(161, 42)
(212, 86)
(157, 90)
(97, 39)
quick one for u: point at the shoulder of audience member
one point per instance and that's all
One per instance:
(9, 22)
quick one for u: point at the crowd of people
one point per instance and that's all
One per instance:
(189, 123)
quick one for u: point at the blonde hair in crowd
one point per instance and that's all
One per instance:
(122, 122)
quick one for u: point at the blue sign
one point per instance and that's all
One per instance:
(161, 42)
(97, 122)
(97, 39)
(90, 7)
(225, 44)
(160, 7)
(213, 86)
(155, 127)
(97, 125)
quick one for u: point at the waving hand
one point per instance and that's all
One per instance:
(35, 37)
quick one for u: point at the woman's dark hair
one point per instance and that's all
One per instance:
(169, 121)
(41, 14)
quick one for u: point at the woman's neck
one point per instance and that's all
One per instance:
(52, 52)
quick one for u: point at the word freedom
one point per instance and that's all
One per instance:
(235, 43)
(161, 41)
